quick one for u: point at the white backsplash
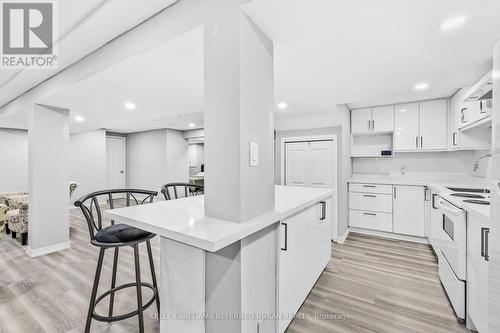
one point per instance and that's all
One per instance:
(456, 163)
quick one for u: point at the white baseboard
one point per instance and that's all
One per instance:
(414, 239)
(46, 250)
(342, 238)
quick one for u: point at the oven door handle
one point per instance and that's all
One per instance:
(444, 205)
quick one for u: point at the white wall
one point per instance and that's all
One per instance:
(13, 160)
(435, 162)
(155, 158)
(335, 121)
(88, 162)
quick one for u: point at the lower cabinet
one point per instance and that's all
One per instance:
(304, 252)
(477, 271)
(391, 208)
(409, 210)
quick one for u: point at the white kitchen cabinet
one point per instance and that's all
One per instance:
(309, 164)
(304, 252)
(433, 125)
(361, 121)
(409, 210)
(421, 126)
(379, 119)
(370, 220)
(477, 271)
(383, 119)
(406, 123)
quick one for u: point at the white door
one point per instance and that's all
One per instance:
(115, 162)
(433, 124)
(383, 118)
(296, 160)
(309, 164)
(406, 127)
(360, 121)
(320, 162)
(409, 210)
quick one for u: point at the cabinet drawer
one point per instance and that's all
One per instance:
(370, 188)
(370, 220)
(371, 202)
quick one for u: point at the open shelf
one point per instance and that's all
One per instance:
(484, 122)
(371, 145)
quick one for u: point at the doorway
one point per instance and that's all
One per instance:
(116, 162)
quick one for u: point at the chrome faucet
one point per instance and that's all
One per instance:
(476, 166)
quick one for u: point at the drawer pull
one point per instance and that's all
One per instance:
(369, 195)
(370, 214)
(370, 186)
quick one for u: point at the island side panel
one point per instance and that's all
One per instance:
(182, 287)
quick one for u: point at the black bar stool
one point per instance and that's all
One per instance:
(181, 190)
(116, 236)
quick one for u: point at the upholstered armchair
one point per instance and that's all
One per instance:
(17, 219)
(3, 211)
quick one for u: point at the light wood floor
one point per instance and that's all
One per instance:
(370, 285)
(375, 284)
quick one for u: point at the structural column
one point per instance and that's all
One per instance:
(48, 177)
(239, 94)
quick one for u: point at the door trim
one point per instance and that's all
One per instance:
(326, 137)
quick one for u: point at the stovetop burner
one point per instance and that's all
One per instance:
(468, 195)
(479, 202)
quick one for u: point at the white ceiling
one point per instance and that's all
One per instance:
(82, 27)
(327, 52)
(365, 52)
(165, 83)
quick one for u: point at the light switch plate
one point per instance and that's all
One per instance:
(254, 154)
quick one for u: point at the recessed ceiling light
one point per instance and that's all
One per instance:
(421, 86)
(79, 119)
(282, 106)
(452, 23)
(192, 125)
(129, 105)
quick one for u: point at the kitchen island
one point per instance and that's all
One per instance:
(212, 267)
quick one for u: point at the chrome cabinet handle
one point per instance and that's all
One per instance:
(421, 142)
(286, 237)
(395, 193)
(369, 195)
(370, 186)
(373, 125)
(416, 141)
(370, 214)
(462, 119)
(455, 139)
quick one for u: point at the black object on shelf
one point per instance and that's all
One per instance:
(386, 152)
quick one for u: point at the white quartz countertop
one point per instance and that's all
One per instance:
(184, 219)
(438, 186)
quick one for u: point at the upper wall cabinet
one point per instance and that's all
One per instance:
(383, 119)
(406, 123)
(372, 120)
(433, 127)
(361, 121)
(421, 126)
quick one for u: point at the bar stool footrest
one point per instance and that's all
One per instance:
(126, 315)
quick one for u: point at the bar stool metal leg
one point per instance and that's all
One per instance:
(139, 291)
(113, 282)
(94, 290)
(153, 275)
